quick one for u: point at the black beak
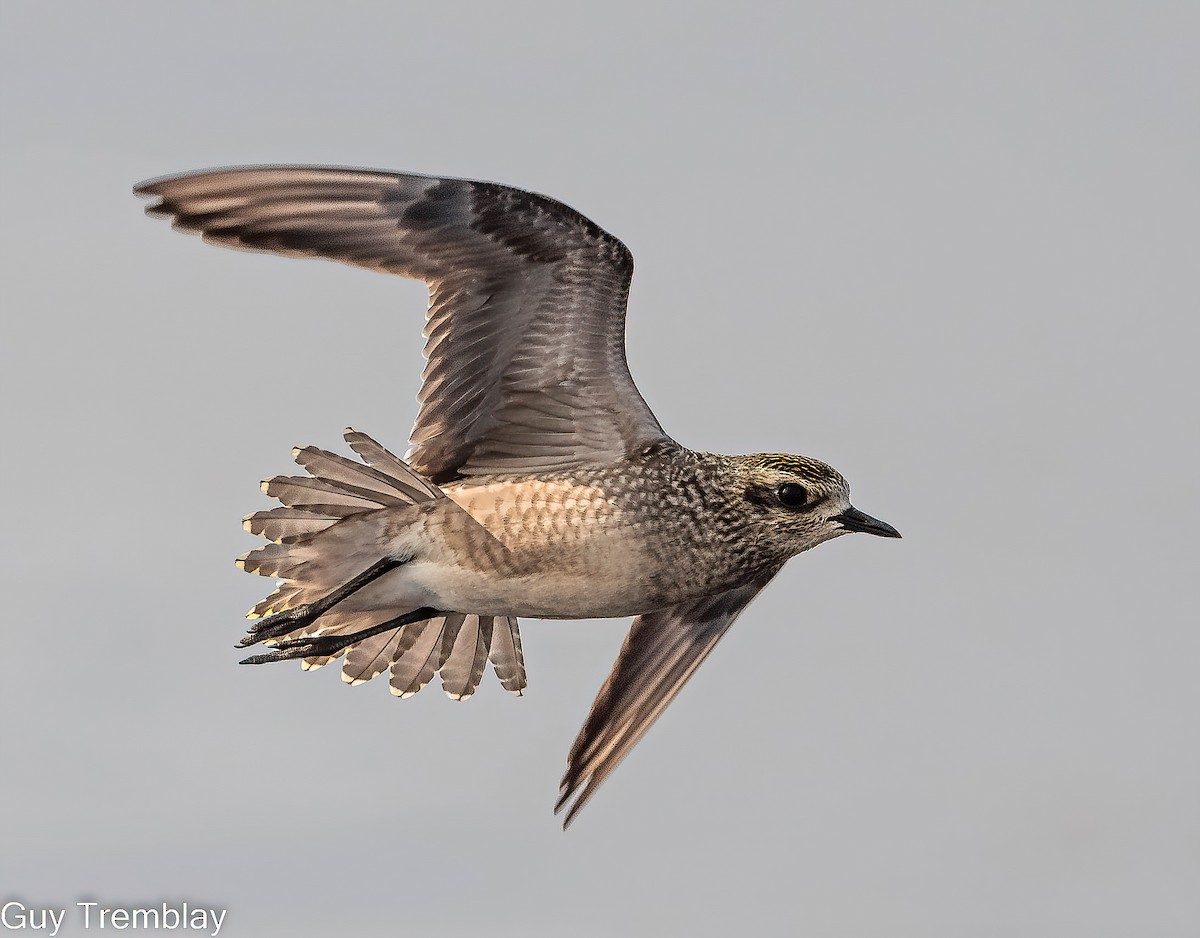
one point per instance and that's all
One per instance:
(854, 520)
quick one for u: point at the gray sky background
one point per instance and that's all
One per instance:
(950, 248)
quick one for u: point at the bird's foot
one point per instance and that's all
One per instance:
(316, 646)
(292, 620)
(328, 646)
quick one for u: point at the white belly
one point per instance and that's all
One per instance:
(545, 595)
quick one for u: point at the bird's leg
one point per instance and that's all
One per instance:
(323, 646)
(288, 621)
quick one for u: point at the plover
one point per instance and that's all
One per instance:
(537, 482)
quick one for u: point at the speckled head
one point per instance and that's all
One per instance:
(801, 501)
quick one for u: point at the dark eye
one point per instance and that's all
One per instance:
(792, 495)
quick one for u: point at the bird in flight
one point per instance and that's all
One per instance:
(537, 481)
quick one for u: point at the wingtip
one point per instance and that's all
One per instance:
(572, 811)
(155, 204)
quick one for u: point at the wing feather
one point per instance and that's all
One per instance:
(527, 302)
(663, 649)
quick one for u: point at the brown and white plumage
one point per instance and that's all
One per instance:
(538, 482)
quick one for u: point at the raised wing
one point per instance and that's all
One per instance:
(525, 336)
(661, 652)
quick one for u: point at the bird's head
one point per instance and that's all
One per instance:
(799, 502)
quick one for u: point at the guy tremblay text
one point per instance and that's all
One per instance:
(166, 916)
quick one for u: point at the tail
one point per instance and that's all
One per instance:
(330, 528)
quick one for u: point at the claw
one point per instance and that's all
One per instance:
(279, 624)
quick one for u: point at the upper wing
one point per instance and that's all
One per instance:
(526, 327)
(660, 653)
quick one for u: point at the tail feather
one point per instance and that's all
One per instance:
(274, 560)
(416, 665)
(371, 657)
(312, 552)
(305, 488)
(450, 630)
(325, 510)
(389, 464)
(463, 670)
(278, 601)
(331, 467)
(285, 525)
(506, 655)
(456, 646)
(302, 491)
